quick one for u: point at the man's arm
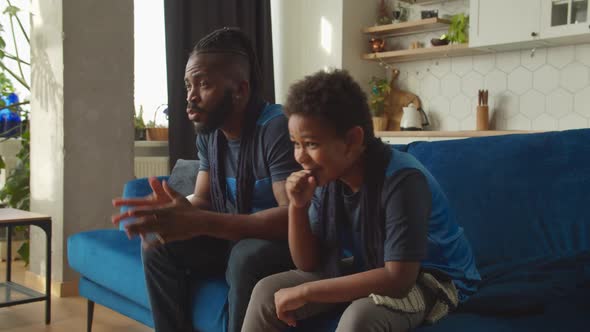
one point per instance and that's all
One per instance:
(267, 224)
(201, 197)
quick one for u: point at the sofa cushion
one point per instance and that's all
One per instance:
(522, 199)
(522, 202)
(183, 176)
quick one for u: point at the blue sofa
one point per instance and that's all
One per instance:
(523, 200)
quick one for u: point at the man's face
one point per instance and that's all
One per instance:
(209, 94)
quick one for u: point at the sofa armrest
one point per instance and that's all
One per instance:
(138, 188)
(134, 189)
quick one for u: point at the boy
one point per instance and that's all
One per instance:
(355, 194)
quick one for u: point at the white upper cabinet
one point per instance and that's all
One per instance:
(561, 18)
(497, 22)
(513, 24)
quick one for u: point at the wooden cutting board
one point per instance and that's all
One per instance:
(397, 100)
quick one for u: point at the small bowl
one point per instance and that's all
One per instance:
(439, 42)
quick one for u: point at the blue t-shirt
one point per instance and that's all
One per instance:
(419, 225)
(273, 161)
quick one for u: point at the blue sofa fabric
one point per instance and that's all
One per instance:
(522, 200)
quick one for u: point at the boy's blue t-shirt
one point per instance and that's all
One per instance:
(419, 225)
(273, 161)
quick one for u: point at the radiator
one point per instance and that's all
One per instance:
(151, 166)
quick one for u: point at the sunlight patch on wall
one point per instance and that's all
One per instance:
(326, 35)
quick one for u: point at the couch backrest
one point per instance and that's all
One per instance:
(520, 198)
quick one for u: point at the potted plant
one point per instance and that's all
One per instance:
(139, 125)
(16, 190)
(380, 90)
(457, 33)
(157, 132)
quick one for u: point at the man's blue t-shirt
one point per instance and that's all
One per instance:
(273, 161)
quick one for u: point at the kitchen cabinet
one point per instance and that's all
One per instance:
(498, 22)
(508, 24)
(564, 18)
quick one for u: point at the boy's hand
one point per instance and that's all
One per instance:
(300, 187)
(287, 300)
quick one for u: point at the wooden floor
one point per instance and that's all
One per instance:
(67, 314)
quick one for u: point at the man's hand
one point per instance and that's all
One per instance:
(300, 187)
(172, 223)
(287, 300)
(162, 196)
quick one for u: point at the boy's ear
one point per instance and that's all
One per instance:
(355, 136)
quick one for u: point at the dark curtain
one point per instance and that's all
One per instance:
(187, 21)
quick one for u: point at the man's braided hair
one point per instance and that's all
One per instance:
(233, 46)
(233, 41)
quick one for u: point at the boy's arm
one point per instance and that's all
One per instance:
(302, 243)
(395, 280)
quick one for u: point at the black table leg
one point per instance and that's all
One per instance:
(8, 253)
(47, 229)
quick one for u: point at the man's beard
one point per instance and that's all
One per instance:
(215, 117)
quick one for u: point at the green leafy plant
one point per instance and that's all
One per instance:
(457, 29)
(380, 89)
(16, 190)
(138, 119)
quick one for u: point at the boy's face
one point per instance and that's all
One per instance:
(319, 149)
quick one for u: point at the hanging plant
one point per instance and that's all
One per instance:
(16, 191)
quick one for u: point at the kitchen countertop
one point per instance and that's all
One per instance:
(463, 133)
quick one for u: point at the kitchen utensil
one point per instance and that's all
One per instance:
(482, 116)
(413, 118)
(397, 100)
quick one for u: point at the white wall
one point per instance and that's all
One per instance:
(545, 90)
(316, 35)
(307, 37)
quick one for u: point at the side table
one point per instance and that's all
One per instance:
(12, 293)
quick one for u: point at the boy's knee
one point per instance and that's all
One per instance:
(362, 315)
(263, 295)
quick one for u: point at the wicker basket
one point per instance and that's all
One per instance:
(157, 134)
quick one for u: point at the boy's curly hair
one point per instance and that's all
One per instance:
(335, 98)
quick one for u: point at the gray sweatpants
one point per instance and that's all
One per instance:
(360, 315)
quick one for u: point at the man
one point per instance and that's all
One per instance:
(239, 199)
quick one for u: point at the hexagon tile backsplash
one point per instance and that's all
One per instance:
(548, 89)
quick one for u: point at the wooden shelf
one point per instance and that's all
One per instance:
(423, 2)
(463, 133)
(407, 28)
(426, 53)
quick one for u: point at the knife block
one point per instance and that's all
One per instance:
(482, 118)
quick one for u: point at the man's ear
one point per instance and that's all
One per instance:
(355, 137)
(242, 92)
